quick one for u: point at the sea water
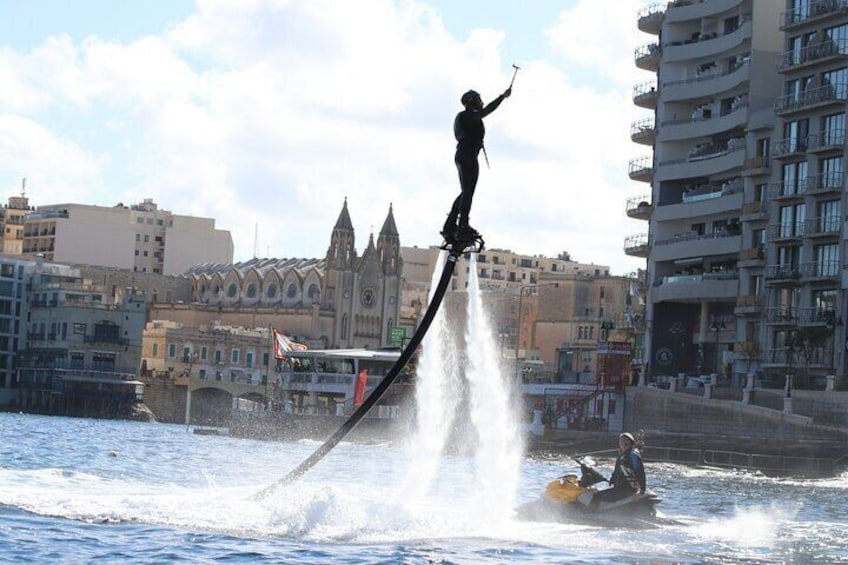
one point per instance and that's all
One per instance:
(97, 491)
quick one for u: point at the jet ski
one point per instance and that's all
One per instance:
(569, 499)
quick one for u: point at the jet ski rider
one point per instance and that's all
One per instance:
(628, 478)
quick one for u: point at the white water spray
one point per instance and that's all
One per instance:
(497, 447)
(436, 397)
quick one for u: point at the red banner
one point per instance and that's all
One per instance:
(359, 388)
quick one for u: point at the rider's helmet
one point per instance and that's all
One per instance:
(470, 97)
(629, 436)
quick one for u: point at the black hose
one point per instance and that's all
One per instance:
(406, 355)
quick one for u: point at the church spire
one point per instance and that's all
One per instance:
(342, 251)
(388, 246)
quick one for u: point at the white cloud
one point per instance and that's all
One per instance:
(272, 112)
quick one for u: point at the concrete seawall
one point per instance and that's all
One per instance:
(684, 420)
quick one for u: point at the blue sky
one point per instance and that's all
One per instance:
(267, 114)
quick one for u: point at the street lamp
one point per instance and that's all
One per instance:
(717, 325)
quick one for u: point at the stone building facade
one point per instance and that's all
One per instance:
(342, 300)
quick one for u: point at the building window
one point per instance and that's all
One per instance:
(251, 290)
(291, 291)
(248, 359)
(218, 356)
(235, 354)
(231, 290)
(203, 353)
(271, 291)
(155, 350)
(172, 350)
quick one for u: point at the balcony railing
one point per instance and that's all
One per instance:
(707, 75)
(645, 94)
(820, 270)
(788, 189)
(641, 168)
(815, 315)
(811, 97)
(781, 314)
(826, 182)
(812, 53)
(642, 129)
(782, 272)
(636, 243)
(785, 230)
(814, 10)
(826, 225)
(828, 139)
(638, 205)
(790, 146)
(695, 236)
(647, 56)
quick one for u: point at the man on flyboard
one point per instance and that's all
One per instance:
(469, 131)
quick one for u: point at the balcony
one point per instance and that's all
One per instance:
(641, 168)
(648, 56)
(788, 190)
(637, 245)
(789, 147)
(748, 305)
(688, 244)
(782, 274)
(831, 140)
(705, 160)
(754, 211)
(707, 45)
(816, 10)
(705, 122)
(816, 316)
(811, 98)
(639, 207)
(755, 166)
(645, 95)
(643, 131)
(785, 232)
(752, 257)
(826, 226)
(650, 18)
(708, 83)
(826, 183)
(692, 288)
(813, 53)
(685, 10)
(820, 271)
(781, 315)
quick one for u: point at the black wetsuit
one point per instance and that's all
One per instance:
(627, 478)
(469, 131)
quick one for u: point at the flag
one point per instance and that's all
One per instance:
(283, 345)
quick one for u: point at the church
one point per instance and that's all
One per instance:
(341, 301)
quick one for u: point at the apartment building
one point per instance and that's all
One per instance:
(79, 347)
(141, 237)
(712, 99)
(803, 310)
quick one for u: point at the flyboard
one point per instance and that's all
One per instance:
(455, 244)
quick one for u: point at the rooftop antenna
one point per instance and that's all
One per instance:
(23, 186)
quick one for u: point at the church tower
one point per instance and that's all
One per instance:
(388, 246)
(339, 278)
